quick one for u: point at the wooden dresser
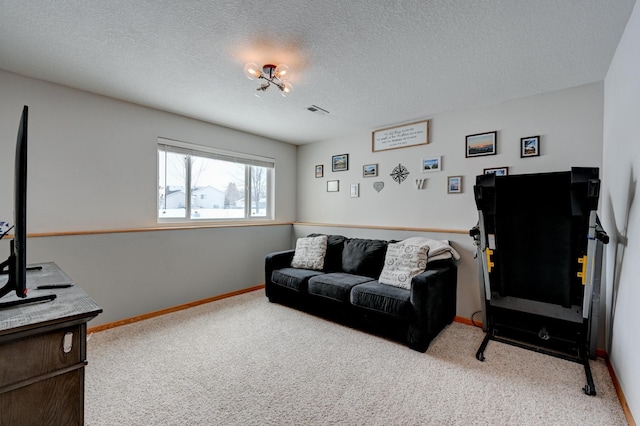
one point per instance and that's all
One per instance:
(43, 354)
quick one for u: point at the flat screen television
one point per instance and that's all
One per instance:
(15, 267)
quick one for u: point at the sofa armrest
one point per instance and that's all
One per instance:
(433, 299)
(276, 260)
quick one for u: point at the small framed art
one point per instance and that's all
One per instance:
(433, 164)
(340, 163)
(333, 185)
(454, 184)
(355, 190)
(319, 171)
(530, 146)
(498, 171)
(370, 170)
(481, 144)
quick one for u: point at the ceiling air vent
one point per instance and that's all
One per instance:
(317, 110)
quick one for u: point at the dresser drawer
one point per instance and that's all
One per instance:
(51, 402)
(40, 354)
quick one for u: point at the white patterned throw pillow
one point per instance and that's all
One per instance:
(310, 252)
(402, 263)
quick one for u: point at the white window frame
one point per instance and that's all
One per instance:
(248, 160)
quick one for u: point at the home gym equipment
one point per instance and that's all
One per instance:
(539, 249)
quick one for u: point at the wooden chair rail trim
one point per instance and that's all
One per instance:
(239, 225)
(386, 228)
(153, 229)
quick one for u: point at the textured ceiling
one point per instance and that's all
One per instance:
(370, 63)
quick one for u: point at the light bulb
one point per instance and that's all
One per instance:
(263, 88)
(286, 89)
(282, 72)
(252, 71)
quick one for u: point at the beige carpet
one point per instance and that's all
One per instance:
(245, 361)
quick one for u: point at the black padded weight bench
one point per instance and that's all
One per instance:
(539, 250)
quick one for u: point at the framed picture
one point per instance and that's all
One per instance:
(355, 190)
(340, 163)
(498, 171)
(401, 136)
(432, 164)
(454, 184)
(370, 170)
(481, 144)
(530, 146)
(333, 185)
(319, 171)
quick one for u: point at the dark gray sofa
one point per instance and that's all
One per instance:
(347, 289)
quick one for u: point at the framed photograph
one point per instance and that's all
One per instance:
(340, 163)
(355, 190)
(370, 170)
(433, 164)
(454, 185)
(333, 185)
(530, 146)
(481, 144)
(402, 136)
(319, 171)
(498, 171)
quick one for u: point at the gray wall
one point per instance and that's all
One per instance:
(93, 167)
(468, 297)
(621, 215)
(569, 123)
(133, 273)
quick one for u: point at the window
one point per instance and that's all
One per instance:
(200, 184)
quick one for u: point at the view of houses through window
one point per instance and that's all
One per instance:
(201, 185)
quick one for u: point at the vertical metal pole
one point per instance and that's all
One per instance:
(591, 253)
(594, 320)
(483, 274)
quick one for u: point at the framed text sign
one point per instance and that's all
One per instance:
(400, 136)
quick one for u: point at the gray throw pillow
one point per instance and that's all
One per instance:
(363, 257)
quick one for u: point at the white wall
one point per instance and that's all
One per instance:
(569, 123)
(92, 159)
(621, 217)
(93, 166)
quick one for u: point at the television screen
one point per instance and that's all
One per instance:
(16, 265)
(20, 207)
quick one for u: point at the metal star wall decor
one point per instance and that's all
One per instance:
(399, 173)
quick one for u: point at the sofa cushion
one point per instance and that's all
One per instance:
(363, 257)
(401, 263)
(382, 298)
(333, 258)
(335, 285)
(310, 252)
(293, 278)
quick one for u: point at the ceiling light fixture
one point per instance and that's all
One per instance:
(276, 75)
